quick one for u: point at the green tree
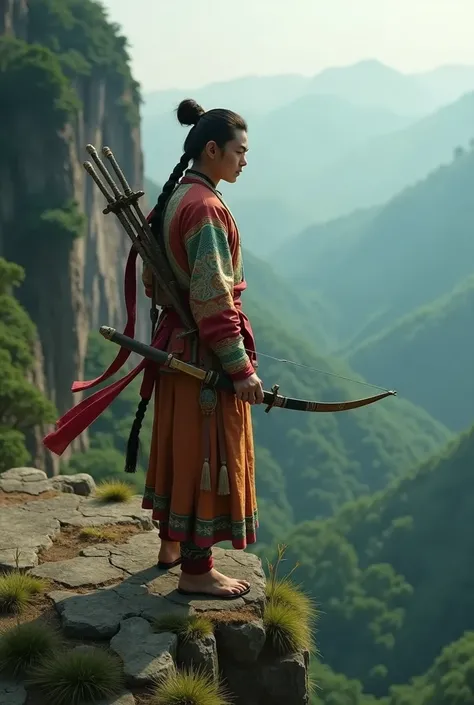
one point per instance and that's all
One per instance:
(22, 405)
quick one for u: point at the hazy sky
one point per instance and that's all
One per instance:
(187, 43)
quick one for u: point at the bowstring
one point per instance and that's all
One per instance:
(315, 369)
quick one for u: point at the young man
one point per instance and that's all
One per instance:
(201, 477)
(201, 482)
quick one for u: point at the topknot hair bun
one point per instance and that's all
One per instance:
(189, 112)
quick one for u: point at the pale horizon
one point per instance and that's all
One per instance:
(187, 45)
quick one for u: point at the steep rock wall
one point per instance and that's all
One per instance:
(73, 284)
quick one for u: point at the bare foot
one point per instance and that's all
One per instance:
(169, 551)
(213, 583)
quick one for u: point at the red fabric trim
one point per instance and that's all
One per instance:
(242, 374)
(80, 417)
(197, 567)
(130, 294)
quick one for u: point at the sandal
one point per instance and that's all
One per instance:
(230, 596)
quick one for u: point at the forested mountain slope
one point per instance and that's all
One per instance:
(429, 356)
(392, 572)
(383, 263)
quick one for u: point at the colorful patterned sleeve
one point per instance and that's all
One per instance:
(212, 290)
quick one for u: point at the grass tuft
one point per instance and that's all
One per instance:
(78, 676)
(96, 533)
(187, 627)
(26, 645)
(189, 687)
(286, 631)
(289, 614)
(17, 589)
(115, 491)
(284, 592)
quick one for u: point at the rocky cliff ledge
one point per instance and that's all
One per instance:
(65, 82)
(102, 590)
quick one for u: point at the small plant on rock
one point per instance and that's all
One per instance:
(26, 645)
(189, 627)
(96, 533)
(17, 589)
(115, 491)
(189, 687)
(78, 676)
(286, 632)
(289, 613)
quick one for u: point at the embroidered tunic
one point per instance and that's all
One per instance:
(204, 251)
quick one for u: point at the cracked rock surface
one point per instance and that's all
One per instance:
(113, 593)
(153, 660)
(143, 590)
(26, 529)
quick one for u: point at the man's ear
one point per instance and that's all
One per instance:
(211, 149)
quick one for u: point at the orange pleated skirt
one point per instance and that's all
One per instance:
(173, 483)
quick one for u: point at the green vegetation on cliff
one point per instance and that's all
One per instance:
(22, 405)
(86, 43)
(70, 43)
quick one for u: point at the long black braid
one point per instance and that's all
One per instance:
(217, 125)
(133, 443)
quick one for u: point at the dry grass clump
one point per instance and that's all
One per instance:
(26, 645)
(78, 676)
(289, 614)
(17, 589)
(115, 491)
(190, 627)
(189, 687)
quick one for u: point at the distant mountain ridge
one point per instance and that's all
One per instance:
(369, 81)
(323, 146)
(385, 262)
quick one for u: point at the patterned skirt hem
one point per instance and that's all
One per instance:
(204, 533)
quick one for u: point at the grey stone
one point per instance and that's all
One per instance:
(78, 572)
(12, 693)
(24, 474)
(93, 616)
(124, 699)
(147, 656)
(243, 682)
(80, 484)
(18, 529)
(285, 680)
(29, 480)
(199, 654)
(117, 512)
(23, 559)
(242, 642)
(95, 551)
(36, 488)
(139, 553)
(11, 485)
(57, 507)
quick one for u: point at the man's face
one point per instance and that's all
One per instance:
(229, 162)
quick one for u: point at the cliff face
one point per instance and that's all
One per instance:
(72, 284)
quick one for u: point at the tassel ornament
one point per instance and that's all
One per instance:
(224, 484)
(206, 476)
